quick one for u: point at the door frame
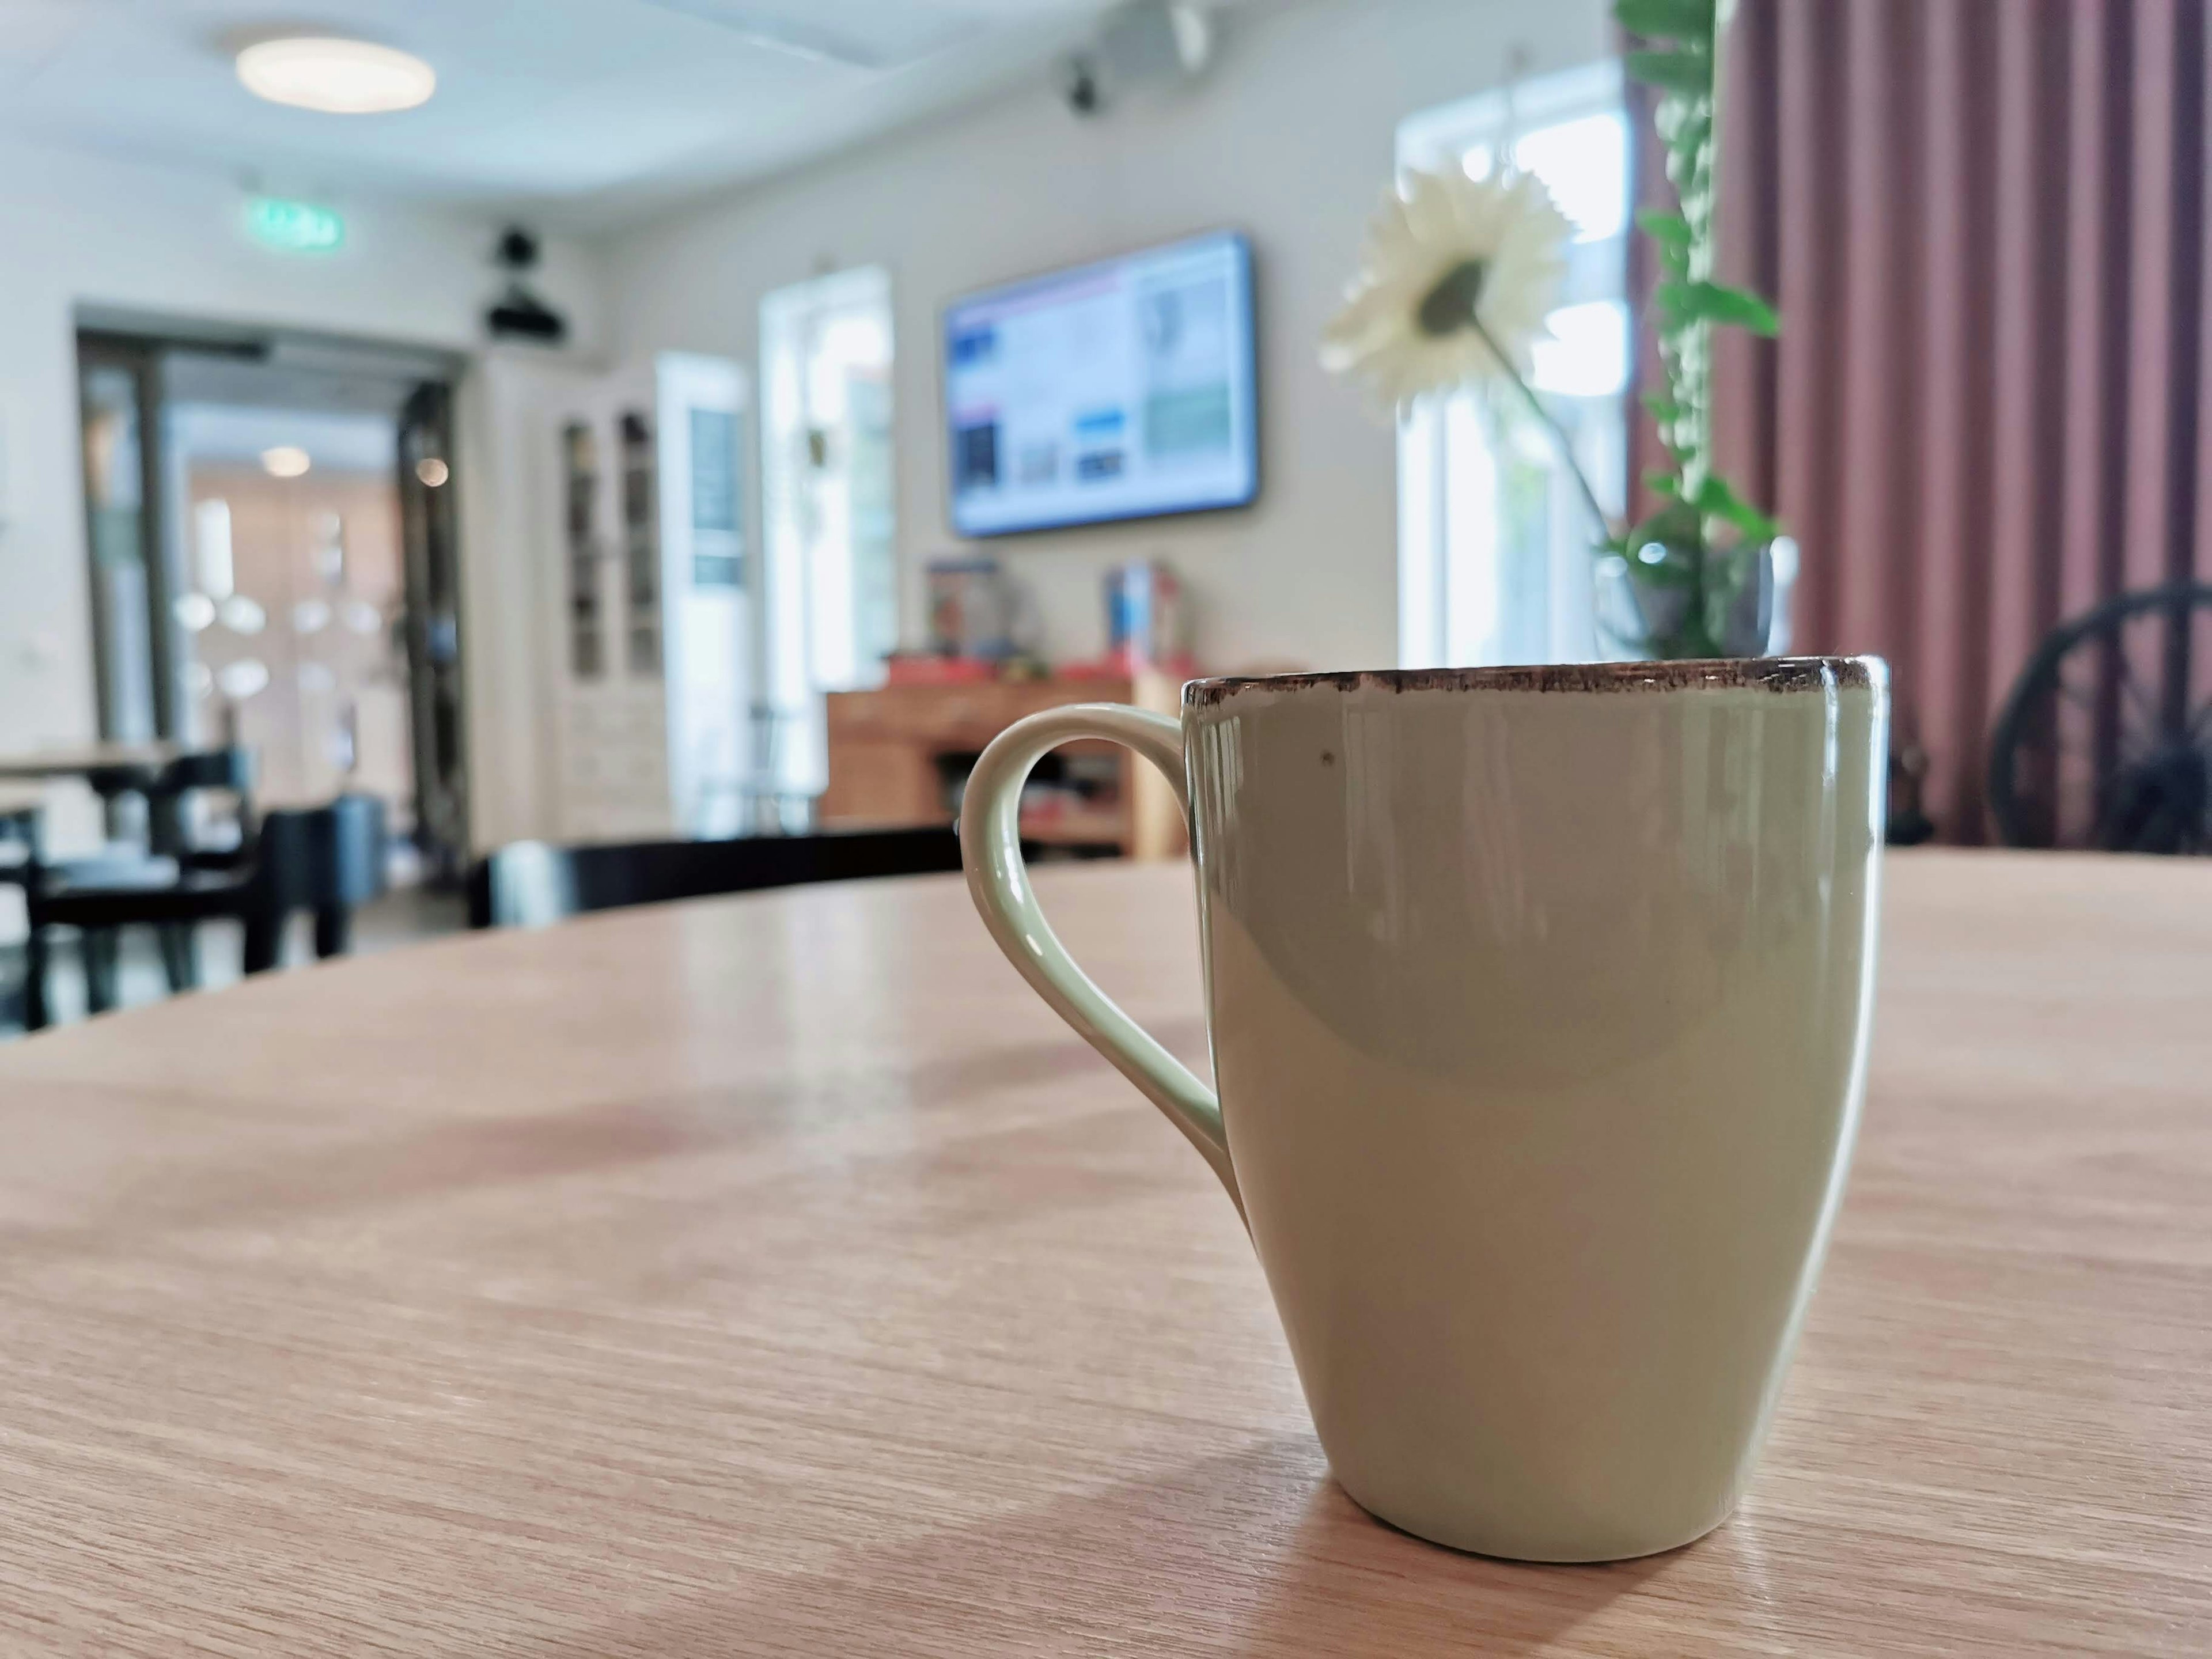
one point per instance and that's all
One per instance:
(141, 359)
(432, 636)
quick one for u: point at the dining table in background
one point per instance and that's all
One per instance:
(111, 766)
(776, 1275)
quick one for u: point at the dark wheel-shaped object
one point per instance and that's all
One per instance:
(2106, 739)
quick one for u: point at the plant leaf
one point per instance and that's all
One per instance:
(1716, 499)
(1661, 483)
(1690, 73)
(1663, 409)
(1741, 309)
(1716, 302)
(1668, 229)
(1680, 20)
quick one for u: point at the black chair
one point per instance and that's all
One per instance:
(219, 771)
(167, 791)
(19, 823)
(2107, 739)
(325, 860)
(532, 883)
(169, 846)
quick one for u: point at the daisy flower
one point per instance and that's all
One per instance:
(1458, 277)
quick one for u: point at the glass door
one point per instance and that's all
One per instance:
(830, 614)
(275, 564)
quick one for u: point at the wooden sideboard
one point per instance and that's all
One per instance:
(898, 755)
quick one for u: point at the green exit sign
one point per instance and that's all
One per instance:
(294, 227)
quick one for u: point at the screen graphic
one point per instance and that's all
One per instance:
(1121, 390)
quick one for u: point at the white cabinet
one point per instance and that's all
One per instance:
(652, 662)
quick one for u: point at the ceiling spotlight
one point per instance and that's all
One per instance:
(336, 77)
(285, 461)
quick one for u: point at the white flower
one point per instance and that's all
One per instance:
(1459, 275)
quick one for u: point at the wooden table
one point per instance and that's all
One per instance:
(890, 751)
(90, 760)
(774, 1276)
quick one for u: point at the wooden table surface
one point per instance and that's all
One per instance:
(75, 760)
(775, 1276)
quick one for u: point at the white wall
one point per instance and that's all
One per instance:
(1289, 138)
(75, 230)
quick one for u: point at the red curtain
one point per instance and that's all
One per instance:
(1983, 222)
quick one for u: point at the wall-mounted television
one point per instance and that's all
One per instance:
(1120, 390)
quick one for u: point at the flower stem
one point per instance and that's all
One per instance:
(1558, 433)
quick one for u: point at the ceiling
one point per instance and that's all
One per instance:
(587, 113)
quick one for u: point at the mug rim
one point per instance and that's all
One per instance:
(1769, 674)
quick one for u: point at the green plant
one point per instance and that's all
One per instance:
(1704, 538)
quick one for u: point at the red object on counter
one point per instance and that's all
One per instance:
(1125, 662)
(929, 668)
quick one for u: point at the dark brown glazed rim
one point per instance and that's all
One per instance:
(1722, 674)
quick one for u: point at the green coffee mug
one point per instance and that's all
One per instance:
(1539, 1010)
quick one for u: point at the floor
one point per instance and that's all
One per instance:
(401, 917)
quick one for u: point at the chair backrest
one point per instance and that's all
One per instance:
(320, 856)
(530, 883)
(230, 769)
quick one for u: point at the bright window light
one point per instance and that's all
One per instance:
(1584, 164)
(211, 546)
(1587, 356)
(1494, 539)
(335, 77)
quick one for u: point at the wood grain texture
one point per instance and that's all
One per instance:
(775, 1276)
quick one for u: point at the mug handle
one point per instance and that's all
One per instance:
(991, 850)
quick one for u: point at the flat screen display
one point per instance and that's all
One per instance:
(1122, 390)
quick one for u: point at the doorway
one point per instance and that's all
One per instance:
(274, 564)
(829, 616)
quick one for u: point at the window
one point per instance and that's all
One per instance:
(1494, 545)
(832, 587)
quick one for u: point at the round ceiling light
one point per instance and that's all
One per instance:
(286, 461)
(335, 75)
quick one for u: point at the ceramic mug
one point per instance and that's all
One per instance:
(1538, 1004)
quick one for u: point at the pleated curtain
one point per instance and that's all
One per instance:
(1991, 407)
